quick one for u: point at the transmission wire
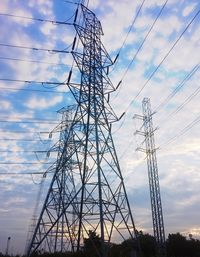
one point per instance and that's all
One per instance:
(165, 57)
(33, 90)
(129, 31)
(155, 70)
(188, 99)
(183, 104)
(35, 48)
(37, 19)
(182, 132)
(141, 45)
(178, 88)
(31, 61)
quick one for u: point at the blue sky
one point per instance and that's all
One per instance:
(177, 161)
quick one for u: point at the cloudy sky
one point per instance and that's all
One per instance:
(159, 58)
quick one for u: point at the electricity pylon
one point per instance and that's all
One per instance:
(54, 223)
(147, 131)
(87, 192)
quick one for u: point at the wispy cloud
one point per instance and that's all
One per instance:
(42, 103)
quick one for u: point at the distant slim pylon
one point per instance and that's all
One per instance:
(156, 205)
(87, 192)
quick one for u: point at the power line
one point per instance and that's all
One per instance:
(33, 90)
(27, 118)
(145, 38)
(27, 151)
(25, 140)
(187, 100)
(31, 61)
(184, 103)
(70, 2)
(183, 131)
(126, 149)
(178, 88)
(25, 173)
(25, 163)
(35, 48)
(23, 151)
(39, 122)
(76, 3)
(152, 74)
(74, 44)
(29, 132)
(39, 82)
(26, 132)
(140, 47)
(54, 22)
(132, 24)
(130, 28)
(33, 81)
(165, 57)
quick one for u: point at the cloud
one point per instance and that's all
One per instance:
(6, 105)
(42, 103)
(47, 29)
(94, 4)
(188, 9)
(124, 13)
(44, 7)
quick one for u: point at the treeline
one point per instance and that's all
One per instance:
(176, 246)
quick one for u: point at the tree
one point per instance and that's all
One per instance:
(176, 245)
(92, 244)
(148, 244)
(179, 246)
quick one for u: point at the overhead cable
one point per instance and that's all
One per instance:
(36, 19)
(26, 132)
(32, 90)
(140, 47)
(23, 139)
(22, 173)
(145, 38)
(164, 58)
(23, 151)
(129, 31)
(21, 121)
(29, 132)
(55, 84)
(27, 118)
(33, 81)
(36, 48)
(187, 100)
(31, 61)
(182, 132)
(178, 88)
(182, 105)
(25, 163)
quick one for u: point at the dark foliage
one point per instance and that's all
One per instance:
(92, 245)
(177, 246)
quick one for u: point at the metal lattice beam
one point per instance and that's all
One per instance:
(156, 204)
(87, 192)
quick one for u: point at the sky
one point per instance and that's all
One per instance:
(164, 68)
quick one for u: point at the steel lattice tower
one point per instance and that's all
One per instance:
(87, 192)
(53, 224)
(156, 204)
